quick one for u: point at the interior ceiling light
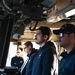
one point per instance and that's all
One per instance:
(70, 13)
(63, 12)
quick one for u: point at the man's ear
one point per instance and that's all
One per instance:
(29, 46)
(46, 37)
(72, 35)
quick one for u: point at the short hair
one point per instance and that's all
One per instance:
(28, 43)
(45, 30)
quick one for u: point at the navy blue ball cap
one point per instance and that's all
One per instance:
(66, 28)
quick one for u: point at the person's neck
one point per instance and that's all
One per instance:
(30, 52)
(42, 44)
(18, 56)
(69, 49)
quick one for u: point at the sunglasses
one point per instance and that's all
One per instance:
(21, 49)
(61, 35)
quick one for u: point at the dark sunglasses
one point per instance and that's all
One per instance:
(21, 49)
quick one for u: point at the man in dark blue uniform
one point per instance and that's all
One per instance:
(43, 61)
(27, 67)
(17, 61)
(67, 40)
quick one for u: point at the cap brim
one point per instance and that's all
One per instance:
(58, 31)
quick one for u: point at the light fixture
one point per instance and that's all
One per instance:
(70, 13)
(63, 12)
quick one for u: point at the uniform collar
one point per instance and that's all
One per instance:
(48, 44)
(33, 51)
(64, 54)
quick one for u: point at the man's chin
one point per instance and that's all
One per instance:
(61, 45)
(36, 42)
